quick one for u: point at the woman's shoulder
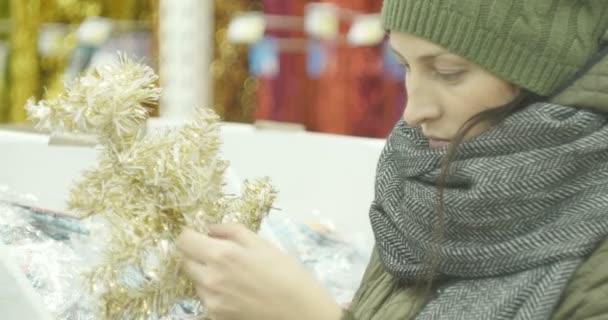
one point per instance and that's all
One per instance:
(586, 296)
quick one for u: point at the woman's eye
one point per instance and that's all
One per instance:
(449, 76)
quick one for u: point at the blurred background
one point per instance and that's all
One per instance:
(323, 66)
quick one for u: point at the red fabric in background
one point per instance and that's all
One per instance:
(288, 96)
(354, 96)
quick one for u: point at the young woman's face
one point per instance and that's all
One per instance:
(445, 90)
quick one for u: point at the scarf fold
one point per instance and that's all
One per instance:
(525, 203)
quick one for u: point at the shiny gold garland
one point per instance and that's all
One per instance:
(4, 34)
(235, 90)
(146, 187)
(24, 71)
(31, 75)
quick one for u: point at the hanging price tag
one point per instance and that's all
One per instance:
(264, 58)
(247, 28)
(366, 30)
(317, 58)
(94, 31)
(322, 21)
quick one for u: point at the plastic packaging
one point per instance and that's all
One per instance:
(53, 250)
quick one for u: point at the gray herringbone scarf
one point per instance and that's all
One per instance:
(525, 203)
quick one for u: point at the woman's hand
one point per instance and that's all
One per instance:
(239, 276)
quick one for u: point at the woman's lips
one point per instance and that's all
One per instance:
(434, 143)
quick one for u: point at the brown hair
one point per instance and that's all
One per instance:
(426, 283)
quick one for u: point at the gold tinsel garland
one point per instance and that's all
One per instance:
(235, 89)
(146, 186)
(24, 72)
(4, 35)
(34, 75)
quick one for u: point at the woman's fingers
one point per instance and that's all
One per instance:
(202, 248)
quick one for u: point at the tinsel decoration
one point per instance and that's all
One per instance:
(147, 187)
(24, 75)
(235, 90)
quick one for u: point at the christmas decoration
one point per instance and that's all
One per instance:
(147, 186)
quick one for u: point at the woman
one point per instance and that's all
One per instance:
(492, 194)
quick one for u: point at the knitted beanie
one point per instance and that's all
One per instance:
(536, 44)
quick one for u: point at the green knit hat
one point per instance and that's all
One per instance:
(536, 44)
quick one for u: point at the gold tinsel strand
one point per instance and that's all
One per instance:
(235, 89)
(146, 186)
(24, 70)
(4, 35)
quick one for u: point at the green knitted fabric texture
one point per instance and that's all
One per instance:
(536, 44)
